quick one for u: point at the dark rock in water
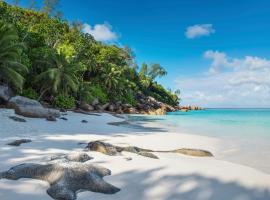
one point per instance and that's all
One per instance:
(5, 93)
(19, 142)
(51, 119)
(119, 123)
(63, 118)
(17, 119)
(113, 150)
(84, 121)
(65, 179)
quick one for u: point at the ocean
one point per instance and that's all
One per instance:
(245, 132)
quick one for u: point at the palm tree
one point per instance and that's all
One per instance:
(11, 69)
(60, 77)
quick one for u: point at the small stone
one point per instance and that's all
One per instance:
(51, 119)
(128, 158)
(84, 121)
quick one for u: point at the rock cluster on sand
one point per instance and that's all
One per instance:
(146, 105)
(66, 178)
(113, 150)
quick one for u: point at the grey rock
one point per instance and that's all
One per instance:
(105, 106)
(111, 107)
(95, 102)
(17, 119)
(5, 93)
(65, 179)
(113, 150)
(36, 112)
(84, 121)
(31, 108)
(74, 157)
(19, 101)
(51, 119)
(86, 107)
(19, 142)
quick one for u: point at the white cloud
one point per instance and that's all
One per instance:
(221, 62)
(236, 82)
(101, 32)
(199, 30)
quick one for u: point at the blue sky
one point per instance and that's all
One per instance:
(216, 52)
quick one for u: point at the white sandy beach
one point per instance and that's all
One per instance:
(172, 176)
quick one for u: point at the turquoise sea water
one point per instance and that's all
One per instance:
(245, 132)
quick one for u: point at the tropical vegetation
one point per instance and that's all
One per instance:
(45, 57)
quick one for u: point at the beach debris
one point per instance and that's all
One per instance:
(75, 157)
(51, 119)
(84, 121)
(17, 119)
(113, 150)
(66, 179)
(19, 142)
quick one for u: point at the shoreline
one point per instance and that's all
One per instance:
(139, 178)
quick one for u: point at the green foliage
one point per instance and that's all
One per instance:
(30, 93)
(64, 101)
(61, 59)
(11, 68)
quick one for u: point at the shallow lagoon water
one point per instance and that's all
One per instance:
(245, 132)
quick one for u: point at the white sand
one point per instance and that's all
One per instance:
(172, 176)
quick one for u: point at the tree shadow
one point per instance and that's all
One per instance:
(141, 185)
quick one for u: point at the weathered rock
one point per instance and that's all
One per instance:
(19, 142)
(19, 101)
(31, 108)
(147, 154)
(105, 106)
(111, 107)
(113, 150)
(98, 107)
(5, 93)
(120, 111)
(95, 102)
(37, 112)
(74, 157)
(84, 121)
(51, 119)
(193, 152)
(17, 119)
(63, 110)
(65, 179)
(86, 107)
(130, 110)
